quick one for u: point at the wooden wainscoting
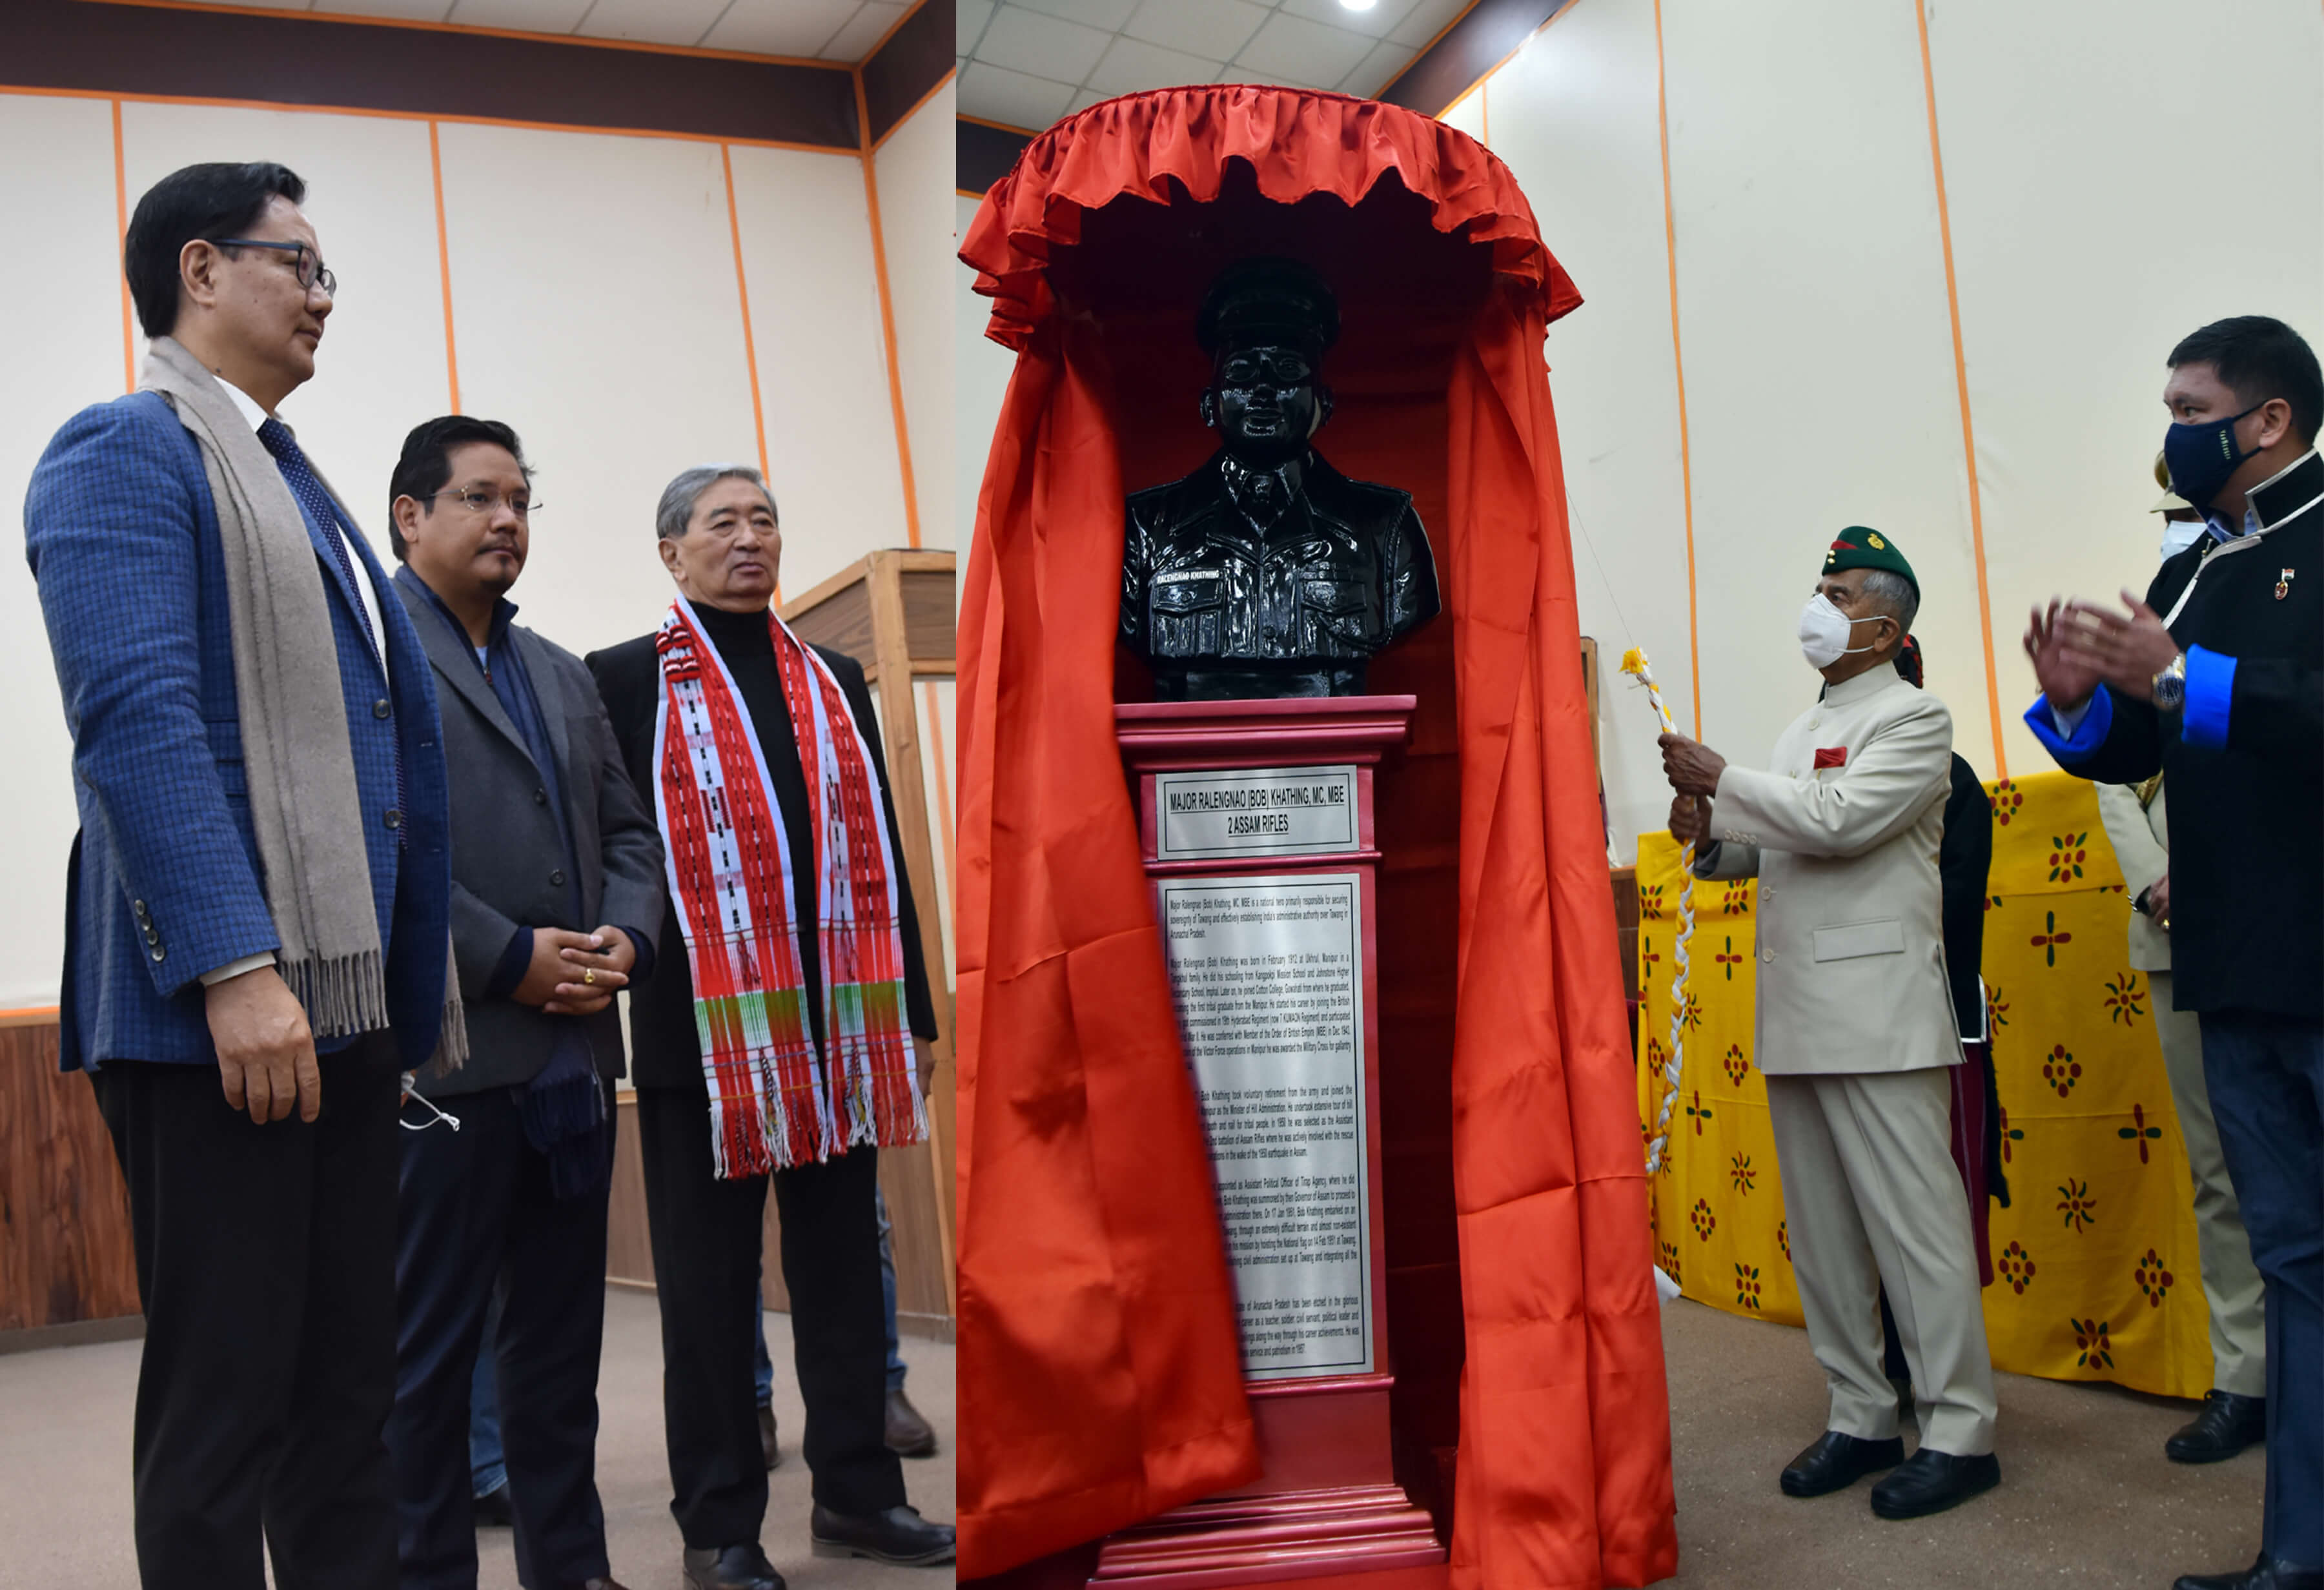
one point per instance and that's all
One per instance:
(65, 1251)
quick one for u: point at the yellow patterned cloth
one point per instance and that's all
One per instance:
(2095, 1273)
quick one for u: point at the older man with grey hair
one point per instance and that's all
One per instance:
(783, 1041)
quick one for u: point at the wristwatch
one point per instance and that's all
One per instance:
(2171, 685)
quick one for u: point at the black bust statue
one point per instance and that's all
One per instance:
(1267, 572)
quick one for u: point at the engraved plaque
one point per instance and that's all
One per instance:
(1255, 812)
(1270, 978)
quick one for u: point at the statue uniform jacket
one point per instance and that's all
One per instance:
(1843, 832)
(1342, 571)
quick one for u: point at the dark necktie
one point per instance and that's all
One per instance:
(299, 477)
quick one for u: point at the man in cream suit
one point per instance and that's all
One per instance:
(1855, 1030)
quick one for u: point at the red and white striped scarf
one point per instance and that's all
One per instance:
(774, 1101)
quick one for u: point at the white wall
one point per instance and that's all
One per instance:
(596, 307)
(66, 356)
(915, 169)
(981, 370)
(1821, 384)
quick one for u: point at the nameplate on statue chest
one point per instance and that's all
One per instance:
(1255, 812)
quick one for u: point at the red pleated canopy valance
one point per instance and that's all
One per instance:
(1100, 1381)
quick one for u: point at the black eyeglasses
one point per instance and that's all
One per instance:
(484, 502)
(309, 265)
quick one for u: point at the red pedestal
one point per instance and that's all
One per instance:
(1327, 1509)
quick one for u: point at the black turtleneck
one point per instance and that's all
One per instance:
(667, 1050)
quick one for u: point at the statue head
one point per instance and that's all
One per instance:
(1266, 323)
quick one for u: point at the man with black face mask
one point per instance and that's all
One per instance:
(2217, 680)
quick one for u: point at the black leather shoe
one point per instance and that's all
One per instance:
(493, 1511)
(1837, 1462)
(730, 1567)
(768, 1446)
(2266, 1574)
(1930, 1481)
(909, 1434)
(2227, 1424)
(899, 1535)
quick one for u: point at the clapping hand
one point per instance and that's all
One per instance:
(2126, 650)
(2066, 675)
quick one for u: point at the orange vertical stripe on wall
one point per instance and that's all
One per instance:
(1961, 378)
(1678, 363)
(743, 295)
(121, 237)
(886, 317)
(444, 266)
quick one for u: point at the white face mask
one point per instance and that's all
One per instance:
(2178, 534)
(1824, 630)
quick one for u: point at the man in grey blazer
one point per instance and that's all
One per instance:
(557, 892)
(1855, 1031)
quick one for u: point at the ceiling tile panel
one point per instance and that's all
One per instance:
(1306, 50)
(1132, 65)
(543, 16)
(1378, 69)
(1084, 98)
(1250, 74)
(856, 39)
(1011, 98)
(1216, 30)
(969, 19)
(781, 27)
(1377, 23)
(1108, 14)
(1425, 20)
(651, 22)
(1041, 46)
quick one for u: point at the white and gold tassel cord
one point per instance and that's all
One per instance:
(1635, 664)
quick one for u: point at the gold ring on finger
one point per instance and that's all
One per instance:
(590, 976)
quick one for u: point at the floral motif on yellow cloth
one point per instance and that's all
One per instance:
(2095, 1266)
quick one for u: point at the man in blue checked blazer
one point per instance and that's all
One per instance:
(256, 939)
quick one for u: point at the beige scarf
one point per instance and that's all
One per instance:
(295, 749)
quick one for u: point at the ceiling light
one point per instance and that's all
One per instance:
(1357, 5)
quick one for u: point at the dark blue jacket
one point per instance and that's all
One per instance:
(123, 539)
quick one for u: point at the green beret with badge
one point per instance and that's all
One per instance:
(1858, 547)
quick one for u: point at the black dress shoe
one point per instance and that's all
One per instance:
(2227, 1424)
(730, 1567)
(909, 1434)
(1932, 1481)
(493, 1511)
(2266, 1574)
(768, 1446)
(1837, 1462)
(899, 1535)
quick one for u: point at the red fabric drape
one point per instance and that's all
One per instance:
(1099, 1379)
